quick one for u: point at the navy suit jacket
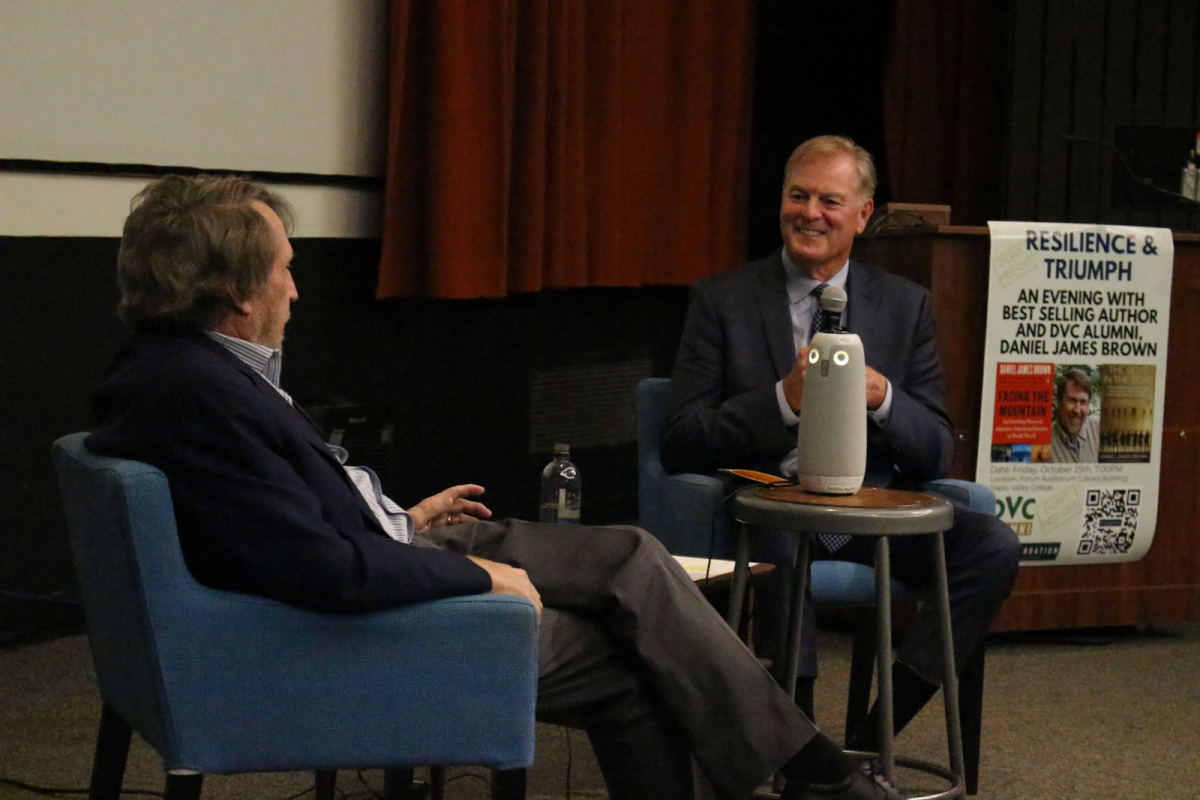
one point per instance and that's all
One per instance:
(261, 504)
(737, 344)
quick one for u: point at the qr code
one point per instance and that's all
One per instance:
(1110, 518)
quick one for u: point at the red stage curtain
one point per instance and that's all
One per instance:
(564, 143)
(943, 105)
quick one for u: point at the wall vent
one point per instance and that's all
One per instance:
(585, 406)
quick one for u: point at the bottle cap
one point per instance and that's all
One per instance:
(562, 449)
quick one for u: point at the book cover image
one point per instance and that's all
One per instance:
(1023, 413)
(1127, 418)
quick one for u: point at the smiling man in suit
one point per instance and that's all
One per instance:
(628, 648)
(737, 386)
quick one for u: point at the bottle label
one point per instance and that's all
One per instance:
(560, 492)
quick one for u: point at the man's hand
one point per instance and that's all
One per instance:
(876, 389)
(449, 507)
(510, 580)
(793, 382)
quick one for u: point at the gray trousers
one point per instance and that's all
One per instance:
(630, 650)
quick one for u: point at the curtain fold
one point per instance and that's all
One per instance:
(564, 143)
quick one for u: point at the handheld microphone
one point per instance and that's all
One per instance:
(831, 454)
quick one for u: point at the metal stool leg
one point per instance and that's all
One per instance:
(862, 670)
(950, 677)
(741, 576)
(796, 616)
(883, 610)
(795, 625)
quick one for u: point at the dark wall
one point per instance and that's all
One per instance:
(56, 301)
(1090, 68)
(452, 376)
(456, 374)
(818, 70)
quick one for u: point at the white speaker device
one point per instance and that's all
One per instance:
(832, 441)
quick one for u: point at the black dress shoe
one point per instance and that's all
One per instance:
(859, 785)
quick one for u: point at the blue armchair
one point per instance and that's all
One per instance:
(687, 513)
(220, 682)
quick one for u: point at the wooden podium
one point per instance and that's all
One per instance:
(952, 261)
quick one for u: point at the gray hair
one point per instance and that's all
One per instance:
(824, 146)
(193, 249)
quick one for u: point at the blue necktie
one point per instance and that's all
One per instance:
(832, 541)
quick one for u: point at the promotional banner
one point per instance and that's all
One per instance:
(1075, 367)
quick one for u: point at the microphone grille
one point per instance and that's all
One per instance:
(833, 299)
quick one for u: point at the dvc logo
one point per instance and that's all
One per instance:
(1018, 512)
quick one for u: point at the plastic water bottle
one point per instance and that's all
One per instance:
(561, 489)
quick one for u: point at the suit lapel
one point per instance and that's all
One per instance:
(862, 308)
(774, 311)
(290, 412)
(293, 415)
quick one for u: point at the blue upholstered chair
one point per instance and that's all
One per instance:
(687, 513)
(220, 682)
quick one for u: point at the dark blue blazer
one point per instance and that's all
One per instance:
(737, 343)
(262, 505)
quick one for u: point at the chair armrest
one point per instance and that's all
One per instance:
(686, 512)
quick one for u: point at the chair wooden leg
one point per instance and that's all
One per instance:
(437, 783)
(112, 751)
(398, 784)
(862, 669)
(804, 697)
(324, 784)
(183, 787)
(508, 784)
(970, 709)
